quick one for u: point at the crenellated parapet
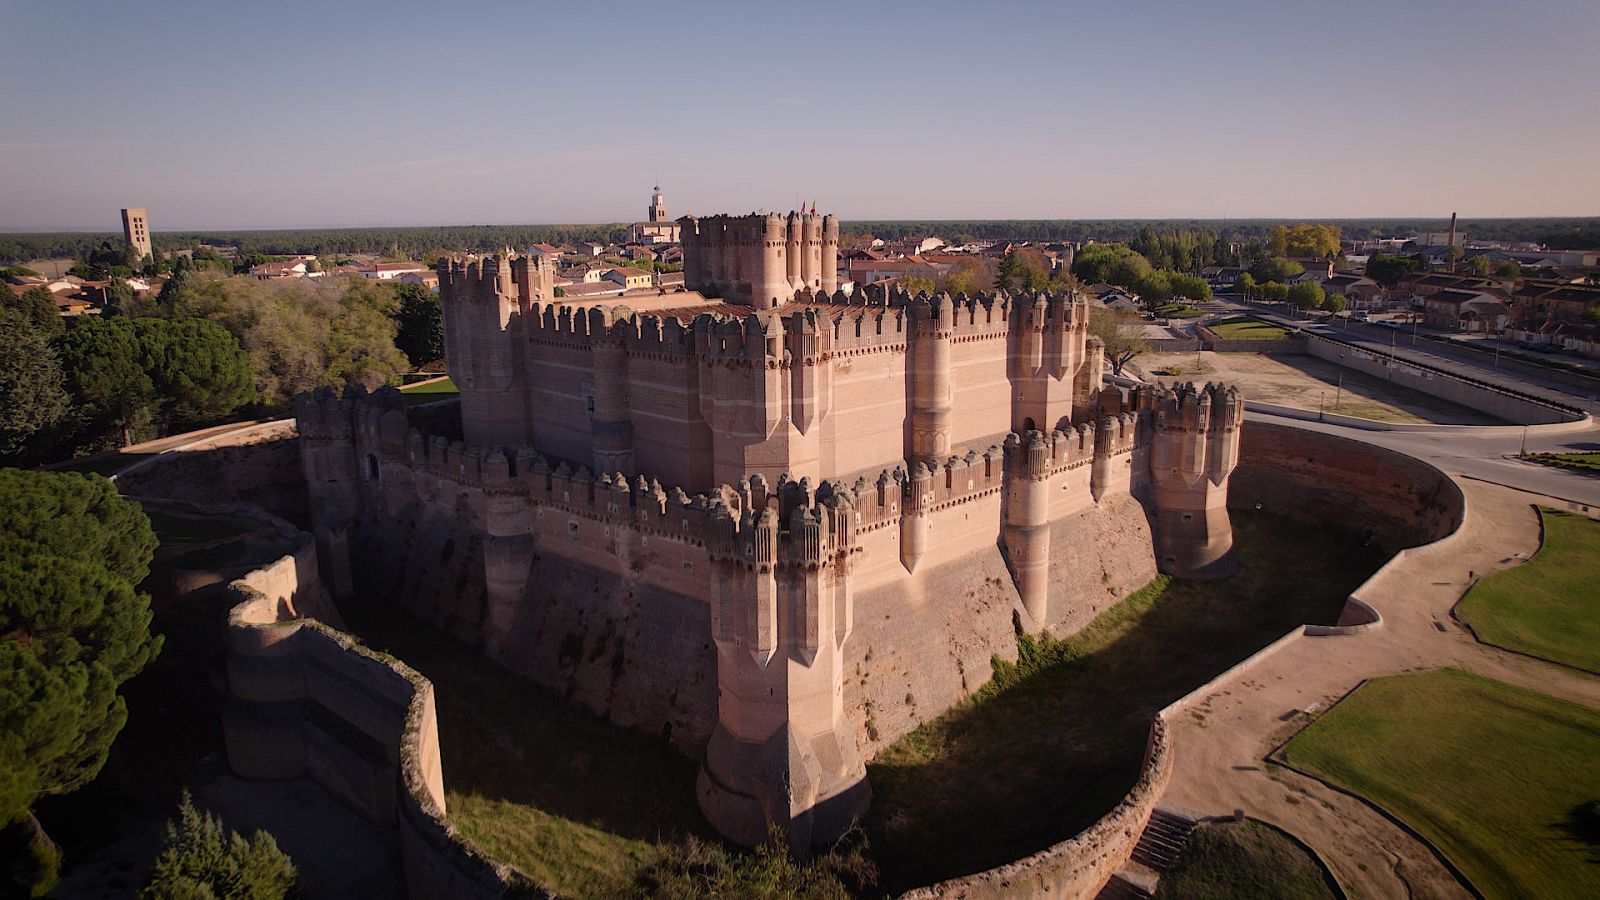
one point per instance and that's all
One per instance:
(1194, 448)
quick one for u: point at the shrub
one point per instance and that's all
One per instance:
(204, 860)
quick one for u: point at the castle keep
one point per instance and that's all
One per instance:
(776, 523)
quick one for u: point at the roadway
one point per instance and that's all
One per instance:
(1468, 452)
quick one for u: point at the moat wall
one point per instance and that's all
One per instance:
(306, 700)
(259, 466)
(1327, 480)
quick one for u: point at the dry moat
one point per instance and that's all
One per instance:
(585, 806)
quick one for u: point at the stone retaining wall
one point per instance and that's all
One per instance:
(307, 700)
(258, 465)
(1322, 479)
(1081, 865)
(1508, 405)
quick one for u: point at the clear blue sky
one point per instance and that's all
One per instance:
(351, 113)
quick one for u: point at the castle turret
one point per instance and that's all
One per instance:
(1048, 365)
(760, 260)
(1193, 451)
(481, 301)
(783, 752)
(830, 254)
(1027, 525)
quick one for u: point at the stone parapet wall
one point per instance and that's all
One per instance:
(1081, 865)
(307, 700)
(259, 465)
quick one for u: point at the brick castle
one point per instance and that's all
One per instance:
(752, 516)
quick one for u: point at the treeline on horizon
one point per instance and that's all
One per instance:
(1561, 233)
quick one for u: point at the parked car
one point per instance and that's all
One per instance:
(1361, 316)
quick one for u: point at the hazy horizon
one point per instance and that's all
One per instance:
(399, 115)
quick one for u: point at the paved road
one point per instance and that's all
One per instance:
(1488, 457)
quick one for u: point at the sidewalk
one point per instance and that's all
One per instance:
(1220, 739)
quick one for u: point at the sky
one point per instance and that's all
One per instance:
(342, 113)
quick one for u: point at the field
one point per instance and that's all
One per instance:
(1587, 463)
(1502, 780)
(430, 392)
(1248, 330)
(1012, 771)
(1243, 861)
(1548, 606)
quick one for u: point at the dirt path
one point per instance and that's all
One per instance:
(1307, 382)
(1222, 737)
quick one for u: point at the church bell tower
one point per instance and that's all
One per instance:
(658, 206)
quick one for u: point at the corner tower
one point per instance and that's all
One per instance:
(1193, 451)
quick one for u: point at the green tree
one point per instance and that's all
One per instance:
(1276, 268)
(1246, 284)
(103, 365)
(1305, 239)
(1305, 294)
(31, 396)
(1275, 290)
(1155, 289)
(1508, 268)
(1478, 265)
(421, 324)
(203, 859)
(1190, 287)
(1388, 270)
(1333, 303)
(1005, 277)
(1591, 314)
(302, 333)
(73, 628)
(37, 305)
(1122, 333)
(916, 284)
(198, 371)
(1112, 264)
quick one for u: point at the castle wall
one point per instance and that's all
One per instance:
(924, 642)
(978, 379)
(867, 424)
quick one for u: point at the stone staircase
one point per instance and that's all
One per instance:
(1158, 849)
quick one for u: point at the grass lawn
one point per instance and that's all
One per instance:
(577, 803)
(1503, 780)
(430, 392)
(1587, 463)
(1548, 606)
(174, 528)
(1248, 330)
(1013, 771)
(1243, 861)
